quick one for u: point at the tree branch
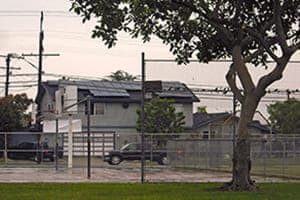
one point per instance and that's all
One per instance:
(241, 69)
(274, 75)
(279, 28)
(259, 38)
(260, 50)
(295, 47)
(231, 80)
(209, 17)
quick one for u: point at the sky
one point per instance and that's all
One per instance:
(82, 56)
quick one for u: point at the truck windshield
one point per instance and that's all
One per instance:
(125, 147)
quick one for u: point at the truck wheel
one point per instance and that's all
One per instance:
(115, 160)
(38, 159)
(163, 160)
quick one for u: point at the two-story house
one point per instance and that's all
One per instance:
(113, 104)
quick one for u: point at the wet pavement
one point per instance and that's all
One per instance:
(111, 175)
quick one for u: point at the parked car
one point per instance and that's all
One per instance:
(31, 151)
(132, 151)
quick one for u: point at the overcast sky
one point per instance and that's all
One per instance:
(81, 55)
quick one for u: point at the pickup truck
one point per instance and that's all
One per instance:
(31, 150)
(132, 151)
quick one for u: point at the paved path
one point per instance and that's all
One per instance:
(111, 175)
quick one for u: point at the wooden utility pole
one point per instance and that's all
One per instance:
(41, 54)
(41, 50)
(8, 68)
(7, 74)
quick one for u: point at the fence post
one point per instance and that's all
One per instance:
(199, 154)
(103, 145)
(206, 153)
(176, 157)
(56, 143)
(70, 142)
(265, 157)
(89, 137)
(294, 146)
(5, 148)
(283, 158)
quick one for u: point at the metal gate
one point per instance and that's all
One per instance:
(101, 142)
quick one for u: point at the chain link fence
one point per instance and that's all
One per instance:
(167, 156)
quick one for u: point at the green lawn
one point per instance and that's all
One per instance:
(86, 191)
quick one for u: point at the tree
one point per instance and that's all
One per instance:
(121, 75)
(12, 112)
(202, 109)
(248, 32)
(161, 117)
(285, 116)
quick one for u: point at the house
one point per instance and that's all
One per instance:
(210, 143)
(113, 104)
(220, 125)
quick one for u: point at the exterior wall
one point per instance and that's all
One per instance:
(187, 110)
(224, 130)
(46, 100)
(216, 130)
(115, 116)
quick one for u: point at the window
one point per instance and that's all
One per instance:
(99, 108)
(209, 135)
(50, 107)
(205, 135)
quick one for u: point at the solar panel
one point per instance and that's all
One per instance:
(174, 94)
(121, 88)
(105, 93)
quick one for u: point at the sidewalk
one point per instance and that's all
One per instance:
(106, 175)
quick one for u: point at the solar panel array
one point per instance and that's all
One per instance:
(122, 88)
(106, 88)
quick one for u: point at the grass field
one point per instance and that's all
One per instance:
(88, 191)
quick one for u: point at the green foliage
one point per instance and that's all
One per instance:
(246, 31)
(286, 115)
(201, 109)
(121, 75)
(207, 29)
(12, 112)
(161, 117)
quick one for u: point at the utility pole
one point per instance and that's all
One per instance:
(143, 119)
(40, 54)
(8, 68)
(288, 94)
(7, 74)
(41, 50)
(89, 136)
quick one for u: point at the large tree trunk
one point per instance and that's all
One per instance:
(241, 180)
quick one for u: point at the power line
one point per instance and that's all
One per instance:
(78, 77)
(35, 15)
(20, 82)
(20, 75)
(33, 11)
(21, 86)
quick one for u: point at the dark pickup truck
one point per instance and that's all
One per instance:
(31, 151)
(132, 151)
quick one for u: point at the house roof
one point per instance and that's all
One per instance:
(120, 91)
(203, 119)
